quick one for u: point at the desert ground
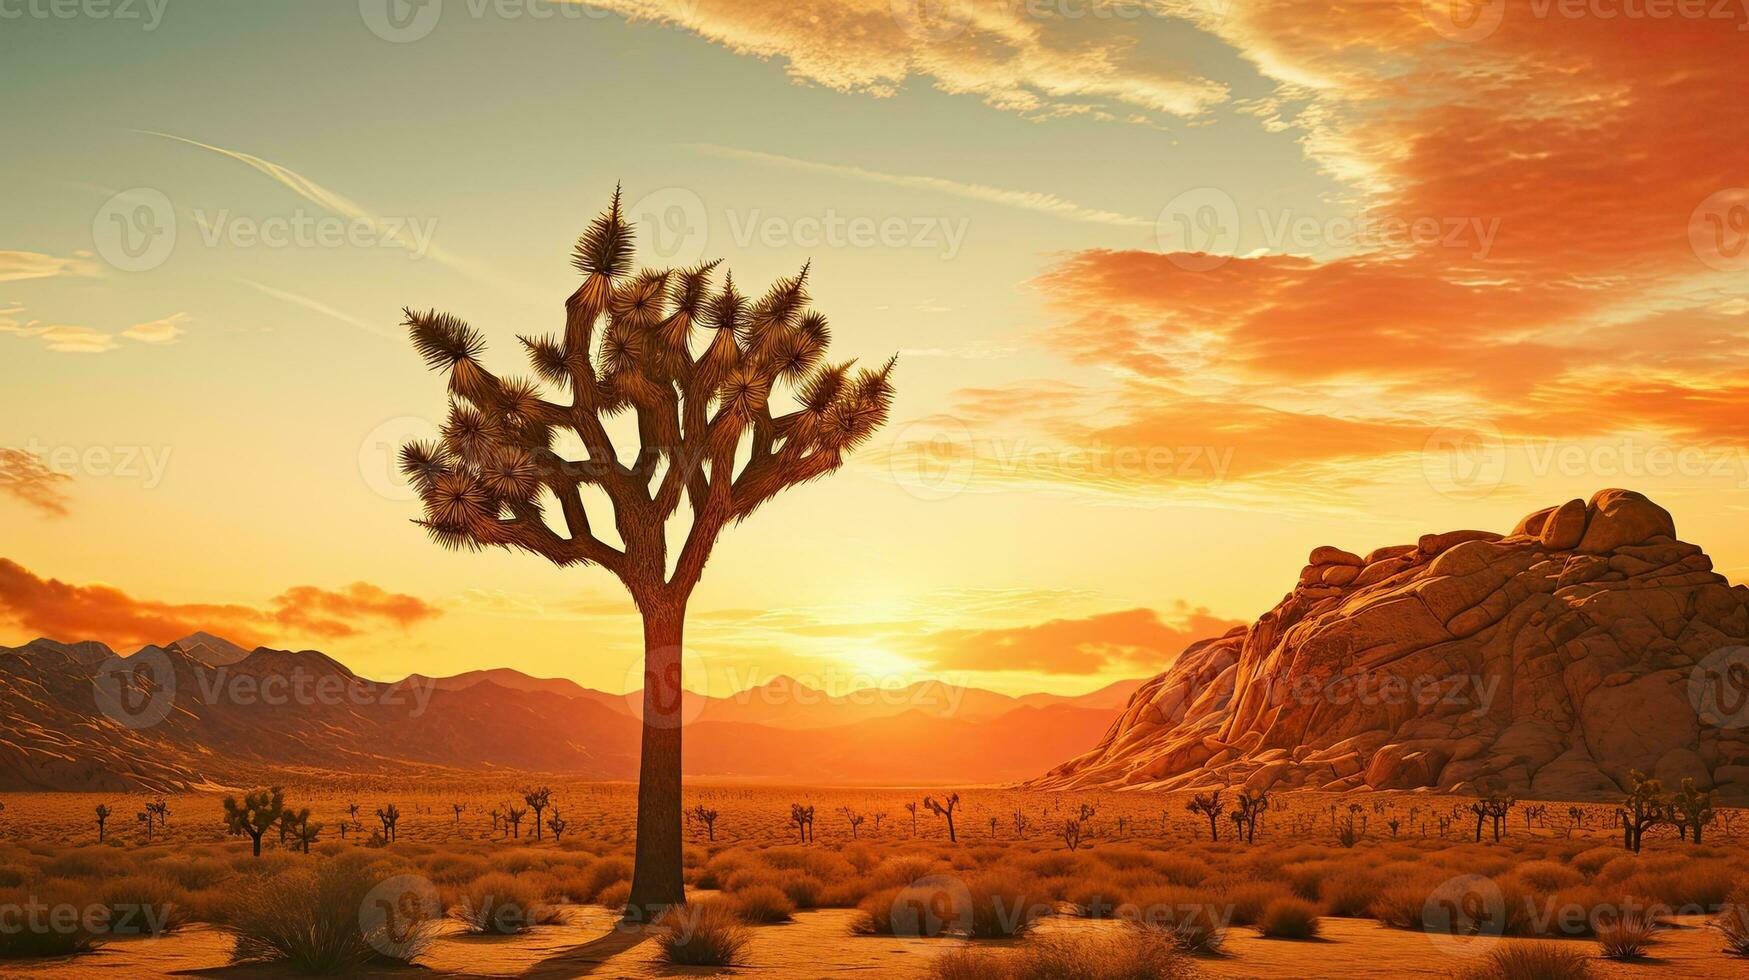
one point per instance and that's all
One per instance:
(1311, 894)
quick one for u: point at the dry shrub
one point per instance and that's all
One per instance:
(1532, 961)
(802, 889)
(763, 905)
(1306, 878)
(1052, 864)
(1732, 923)
(1126, 858)
(13, 875)
(1626, 936)
(80, 864)
(149, 904)
(1351, 894)
(308, 918)
(1180, 870)
(1192, 916)
(1004, 904)
(702, 934)
(1246, 901)
(503, 905)
(47, 933)
(1697, 887)
(1095, 899)
(1289, 918)
(615, 896)
(1138, 954)
(456, 869)
(602, 874)
(1547, 876)
(1592, 860)
(195, 873)
(903, 870)
(876, 916)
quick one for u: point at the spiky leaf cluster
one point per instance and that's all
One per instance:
(701, 368)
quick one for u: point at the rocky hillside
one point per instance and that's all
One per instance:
(1548, 662)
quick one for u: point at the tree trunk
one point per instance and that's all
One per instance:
(658, 876)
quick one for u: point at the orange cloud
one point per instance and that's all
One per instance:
(65, 611)
(1133, 639)
(24, 477)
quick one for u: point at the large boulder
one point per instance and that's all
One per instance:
(1549, 663)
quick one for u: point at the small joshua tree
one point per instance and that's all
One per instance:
(1245, 817)
(944, 809)
(1072, 833)
(1020, 824)
(803, 818)
(912, 807)
(708, 817)
(252, 816)
(712, 433)
(102, 818)
(1211, 807)
(158, 810)
(538, 800)
(391, 819)
(457, 807)
(879, 816)
(556, 825)
(303, 832)
(513, 818)
(1693, 808)
(854, 819)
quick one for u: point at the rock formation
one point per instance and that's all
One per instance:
(1548, 662)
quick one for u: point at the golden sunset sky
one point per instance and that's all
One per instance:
(1180, 290)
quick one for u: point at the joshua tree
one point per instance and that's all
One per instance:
(497, 814)
(160, 810)
(1020, 824)
(856, 819)
(912, 807)
(1492, 807)
(391, 818)
(538, 800)
(1072, 834)
(513, 819)
(303, 831)
(457, 807)
(707, 817)
(259, 810)
(879, 816)
(803, 818)
(1250, 808)
(558, 826)
(944, 809)
(1210, 806)
(709, 437)
(1693, 807)
(102, 818)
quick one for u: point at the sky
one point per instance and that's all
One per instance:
(1180, 290)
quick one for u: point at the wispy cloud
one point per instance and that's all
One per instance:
(398, 231)
(24, 477)
(318, 306)
(65, 338)
(17, 266)
(1024, 200)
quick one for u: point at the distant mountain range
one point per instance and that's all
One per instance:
(203, 711)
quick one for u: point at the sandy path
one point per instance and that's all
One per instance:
(820, 944)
